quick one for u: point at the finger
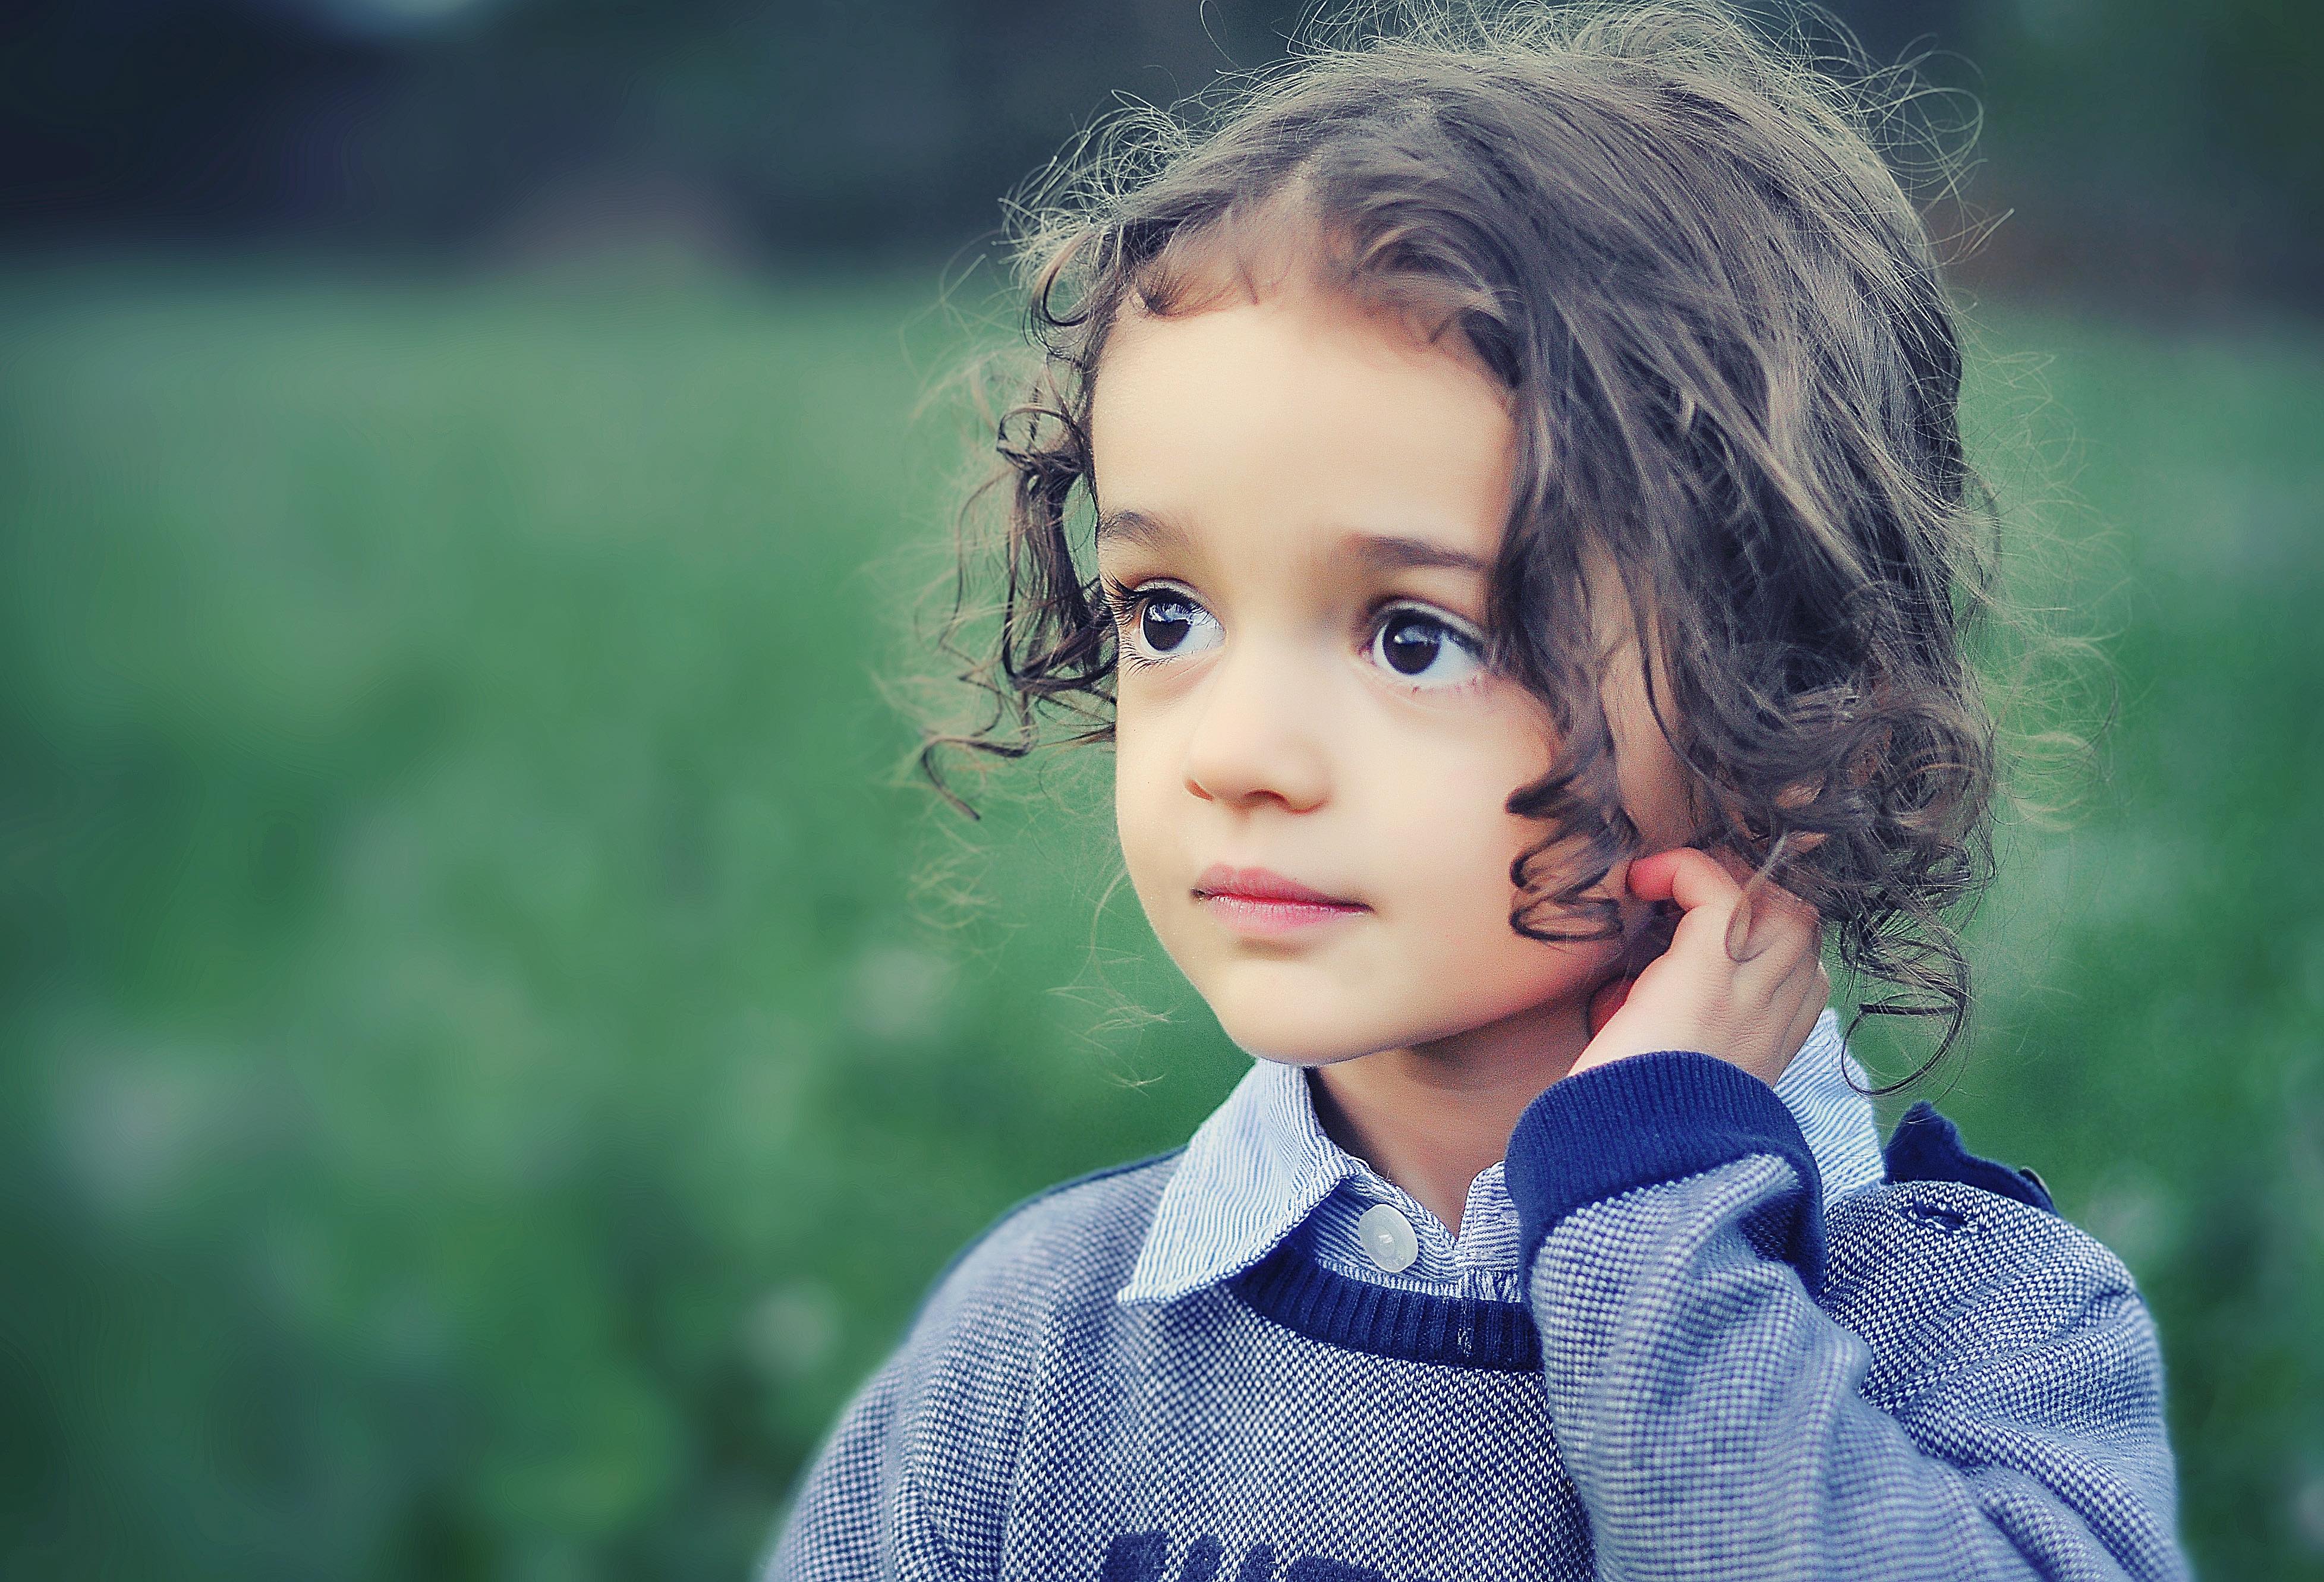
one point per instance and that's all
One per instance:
(1780, 986)
(1739, 944)
(1683, 875)
(1792, 1013)
(1739, 928)
(1768, 916)
(1797, 1029)
(1815, 1001)
(1761, 903)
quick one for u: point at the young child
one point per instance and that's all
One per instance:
(1530, 559)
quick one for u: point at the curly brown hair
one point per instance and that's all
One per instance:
(1735, 374)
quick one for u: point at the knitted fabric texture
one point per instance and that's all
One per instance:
(1713, 1377)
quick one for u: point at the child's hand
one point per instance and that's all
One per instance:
(1741, 980)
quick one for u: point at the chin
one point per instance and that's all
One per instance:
(1313, 1031)
(1284, 1034)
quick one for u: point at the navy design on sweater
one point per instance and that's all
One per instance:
(1145, 1557)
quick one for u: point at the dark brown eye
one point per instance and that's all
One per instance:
(1162, 624)
(1418, 647)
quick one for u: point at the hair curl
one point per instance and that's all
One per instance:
(1734, 372)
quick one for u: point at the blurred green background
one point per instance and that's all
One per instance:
(482, 1072)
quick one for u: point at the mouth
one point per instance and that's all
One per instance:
(1255, 900)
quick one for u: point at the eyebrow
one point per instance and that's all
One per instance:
(1378, 551)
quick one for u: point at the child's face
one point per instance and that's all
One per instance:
(1305, 502)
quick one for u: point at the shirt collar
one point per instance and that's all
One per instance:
(1256, 1169)
(1251, 1174)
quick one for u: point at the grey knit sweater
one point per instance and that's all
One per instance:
(1710, 1380)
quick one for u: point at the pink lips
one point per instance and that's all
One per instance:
(1254, 900)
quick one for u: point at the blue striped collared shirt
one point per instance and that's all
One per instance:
(1262, 1169)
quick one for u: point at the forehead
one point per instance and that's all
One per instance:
(1299, 407)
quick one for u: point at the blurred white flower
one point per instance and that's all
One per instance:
(897, 993)
(790, 1332)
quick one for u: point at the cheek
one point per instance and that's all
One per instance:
(1455, 960)
(1446, 837)
(1454, 840)
(1140, 794)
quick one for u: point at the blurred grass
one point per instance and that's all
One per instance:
(477, 1098)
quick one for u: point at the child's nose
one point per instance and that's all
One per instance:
(1262, 730)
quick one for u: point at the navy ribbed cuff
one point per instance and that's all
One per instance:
(1656, 1118)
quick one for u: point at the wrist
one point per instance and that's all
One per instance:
(1641, 1119)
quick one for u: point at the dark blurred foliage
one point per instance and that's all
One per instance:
(806, 125)
(2145, 142)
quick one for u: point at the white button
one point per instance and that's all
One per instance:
(1388, 1238)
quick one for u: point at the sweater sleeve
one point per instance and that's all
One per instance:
(832, 1529)
(912, 1484)
(891, 1495)
(1719, 1422)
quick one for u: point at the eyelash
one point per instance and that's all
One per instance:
(1124, 602)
